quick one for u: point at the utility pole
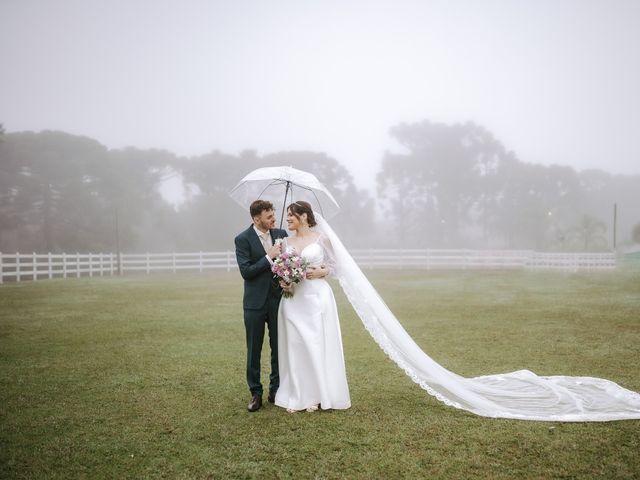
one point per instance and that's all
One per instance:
(615, 222)
(118, 244)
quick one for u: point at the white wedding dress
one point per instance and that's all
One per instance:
(310, 355)
(518, 395)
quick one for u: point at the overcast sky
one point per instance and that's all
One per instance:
(557, 81)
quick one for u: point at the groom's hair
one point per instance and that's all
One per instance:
(259, 206)
(300, 207)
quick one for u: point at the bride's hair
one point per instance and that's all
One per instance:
(300, 207)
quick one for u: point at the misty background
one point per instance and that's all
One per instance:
(479, 124)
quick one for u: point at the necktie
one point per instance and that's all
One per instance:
(266, 241)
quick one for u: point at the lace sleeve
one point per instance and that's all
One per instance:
(329, 254)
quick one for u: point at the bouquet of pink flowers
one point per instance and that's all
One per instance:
(290, 268)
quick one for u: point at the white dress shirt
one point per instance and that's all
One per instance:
(265, 239)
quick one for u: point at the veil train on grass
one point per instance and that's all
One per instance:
(517, 395)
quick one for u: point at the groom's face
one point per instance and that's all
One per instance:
(266, 220)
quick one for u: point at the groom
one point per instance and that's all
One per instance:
(256, 247)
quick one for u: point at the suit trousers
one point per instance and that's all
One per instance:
(254, 322)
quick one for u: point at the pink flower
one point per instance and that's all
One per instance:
(290, 268)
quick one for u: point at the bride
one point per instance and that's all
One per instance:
(312, 363)
(310, 356)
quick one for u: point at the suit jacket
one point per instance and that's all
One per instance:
(255, 268)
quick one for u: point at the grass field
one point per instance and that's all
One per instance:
(143, 377)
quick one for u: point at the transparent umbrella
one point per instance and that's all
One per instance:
(284, 185)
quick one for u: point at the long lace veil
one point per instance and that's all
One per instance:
(519, 395)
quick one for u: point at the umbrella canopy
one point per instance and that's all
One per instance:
(282, 186)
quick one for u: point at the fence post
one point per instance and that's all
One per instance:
(200, 261)
(50, 266)
(228, 261)
(101, 264)
(34, 265)
(17, 266)
(173, 261)
(77, 264)
(64, 265)
(1, 270)
(147, 263)
(90, 264)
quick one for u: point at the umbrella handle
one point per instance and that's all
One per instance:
(286, 192)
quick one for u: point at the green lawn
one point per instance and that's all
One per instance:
(143, 377)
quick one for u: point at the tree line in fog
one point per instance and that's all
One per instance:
(454, 186)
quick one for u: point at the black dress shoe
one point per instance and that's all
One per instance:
(255, 403)
(272, 397)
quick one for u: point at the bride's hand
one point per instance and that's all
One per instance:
(287, 287)
(317, 272)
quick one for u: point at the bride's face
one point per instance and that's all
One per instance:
(293, 222)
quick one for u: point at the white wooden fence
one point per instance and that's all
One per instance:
(482, 259)
(35, 266)
(20, 266)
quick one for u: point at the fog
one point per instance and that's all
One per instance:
(555, 83)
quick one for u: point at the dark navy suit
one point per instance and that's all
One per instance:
(260, 303)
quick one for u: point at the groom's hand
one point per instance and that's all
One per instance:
(274, 251)
(317, 272)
